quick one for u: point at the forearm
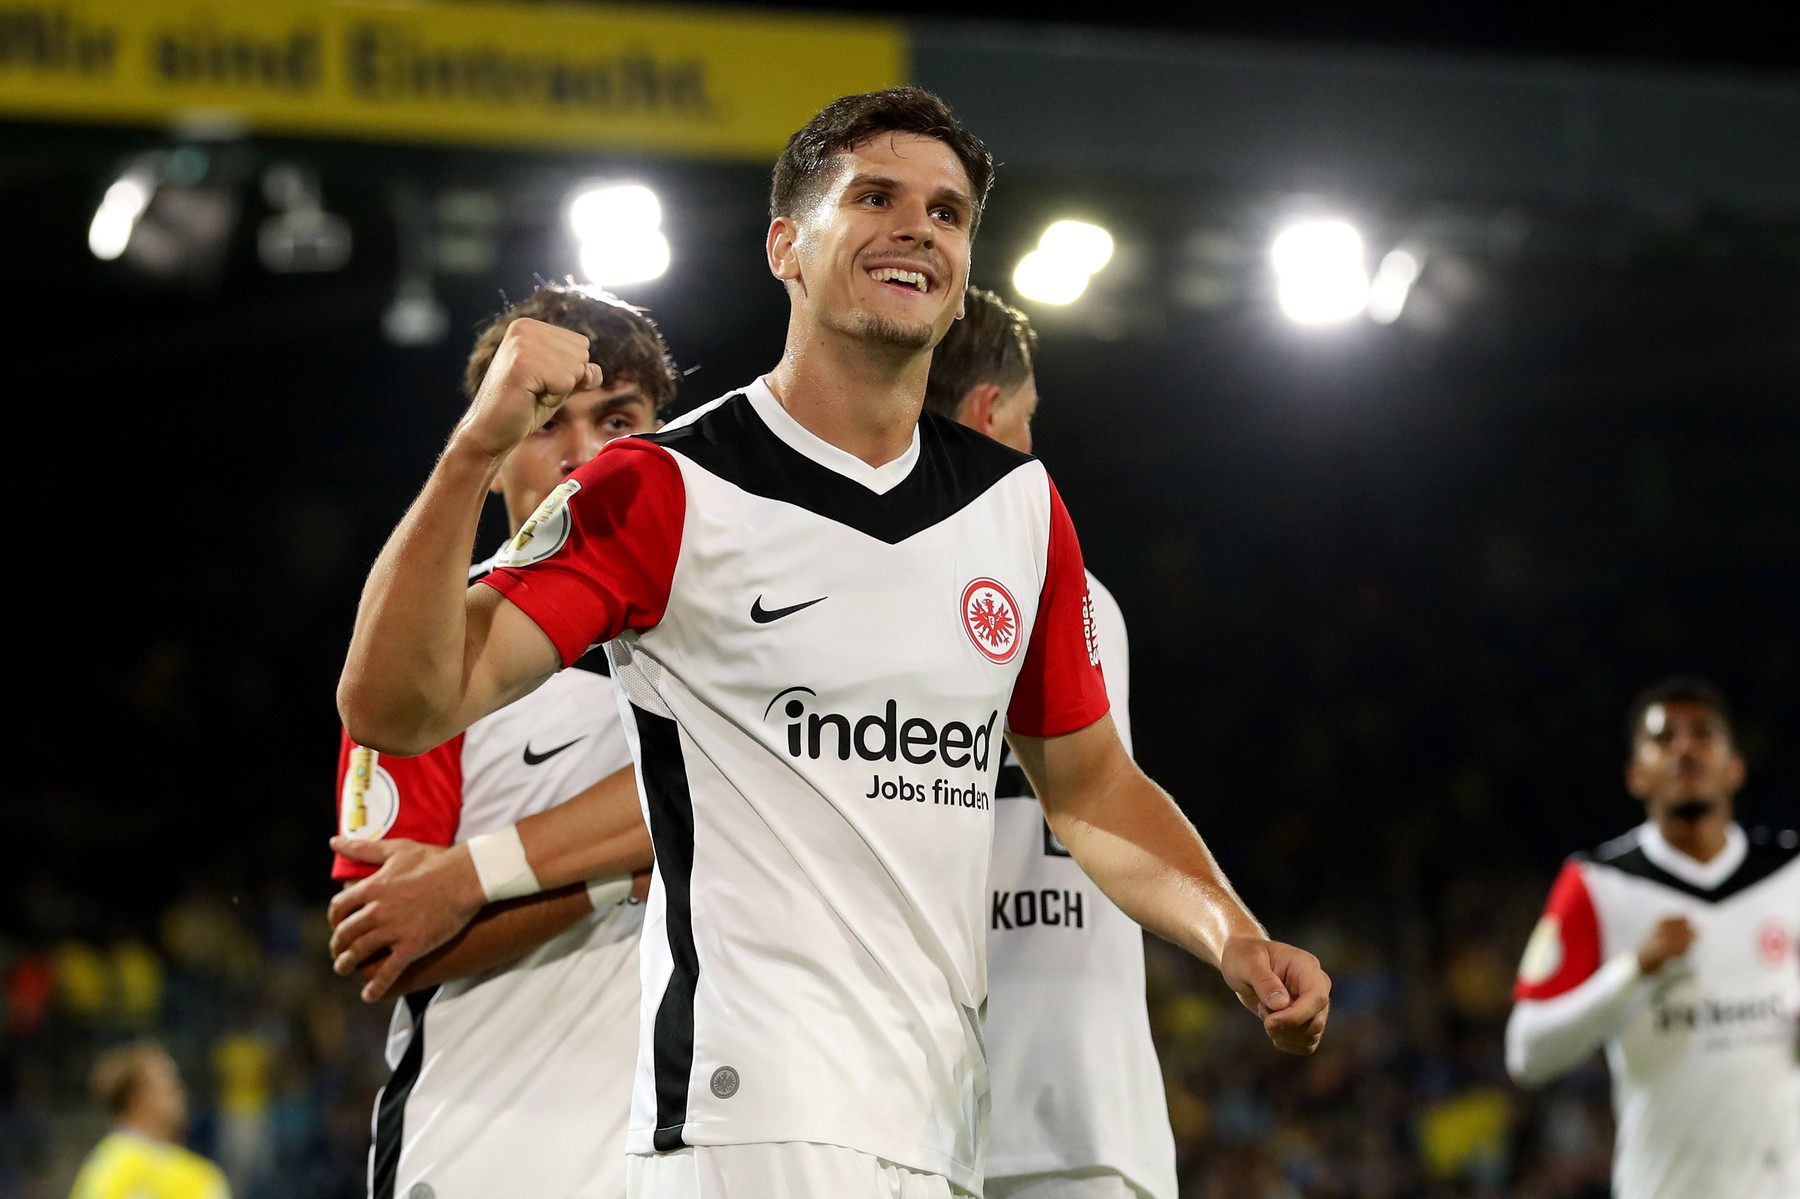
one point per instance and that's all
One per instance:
(1547, 1037)
(598, 833)
(500, 934)
(405, 675)
(1134, 842)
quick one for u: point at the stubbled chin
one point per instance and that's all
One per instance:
(1691, 809)
(885, 331)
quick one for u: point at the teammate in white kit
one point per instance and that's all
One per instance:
(1674, 947)
(1079, 1110)
(824, 614)
(513, 1049)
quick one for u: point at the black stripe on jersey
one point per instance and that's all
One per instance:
(390, 1105)
(671, 808)
(594, 661)
(956, 465)
(1766, 854)
(1011, 783)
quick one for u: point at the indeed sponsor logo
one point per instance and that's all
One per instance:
(881, 736)
(1720, 1013)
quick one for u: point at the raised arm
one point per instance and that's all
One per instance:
(1128, 835)
(430, 655)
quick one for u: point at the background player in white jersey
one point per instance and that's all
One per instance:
(1674, 947)
(513, 1049)
(1079, 1110)
(814, 947)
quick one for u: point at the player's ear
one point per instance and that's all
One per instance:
(976, 409)
(1734, 771)
(1635, 782)
(782, 247)
(962, 304)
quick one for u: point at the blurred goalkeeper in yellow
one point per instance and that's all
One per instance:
(140, 1088)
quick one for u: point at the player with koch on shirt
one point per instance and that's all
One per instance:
(1673, 946)
(823, 615)
(1078, 1105)
(513, 1049)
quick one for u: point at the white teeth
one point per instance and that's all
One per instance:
(889, 274)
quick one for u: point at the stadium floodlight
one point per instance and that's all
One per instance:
(1393, 281)
(619, 228)
(1068, 254)
(639, 258)
(116, 218)
(1320, 275)
(1079, 245)
(603, 211)
(1047, 280)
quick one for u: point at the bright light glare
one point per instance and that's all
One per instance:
(117, 216)
(614, 211)
(1393, 281)
(1048, 280)
(1083, 247)
(1319, 272)
(620, 259)
(1068, 254)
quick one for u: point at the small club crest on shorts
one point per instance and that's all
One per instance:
(991, 619)
(724, 1082)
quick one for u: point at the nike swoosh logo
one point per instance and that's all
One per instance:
(762, 615)
(532, 759)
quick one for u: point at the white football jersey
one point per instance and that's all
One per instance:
(1076, 1081)
(517, 1081)
(1706, 1084)
(817, 660)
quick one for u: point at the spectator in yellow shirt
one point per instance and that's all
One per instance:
(140, 1087)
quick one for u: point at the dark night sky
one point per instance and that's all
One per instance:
(1391, 579)
(1730, 37)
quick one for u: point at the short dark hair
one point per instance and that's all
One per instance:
(992, 343)
(625, 343)
(1677, 688)
(849, 121)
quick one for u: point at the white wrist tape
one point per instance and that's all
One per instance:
(609, 892)
(501, 866)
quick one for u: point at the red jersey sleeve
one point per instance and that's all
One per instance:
(1060, 689)
(1564, 950)
(418, 798)
(612, 570)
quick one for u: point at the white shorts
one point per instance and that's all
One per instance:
(784, 1170)
(1080, 1184)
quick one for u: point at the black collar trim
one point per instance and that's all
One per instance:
(956, 466)
(1767, 853)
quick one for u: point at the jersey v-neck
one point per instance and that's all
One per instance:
(1705, 875)
(797, 437)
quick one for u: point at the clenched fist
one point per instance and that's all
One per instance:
(1672, 937)
(535, 369)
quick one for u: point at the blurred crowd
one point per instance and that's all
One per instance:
(1406, 1100)
(280, 1059)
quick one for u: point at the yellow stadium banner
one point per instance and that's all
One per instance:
(713, 83)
